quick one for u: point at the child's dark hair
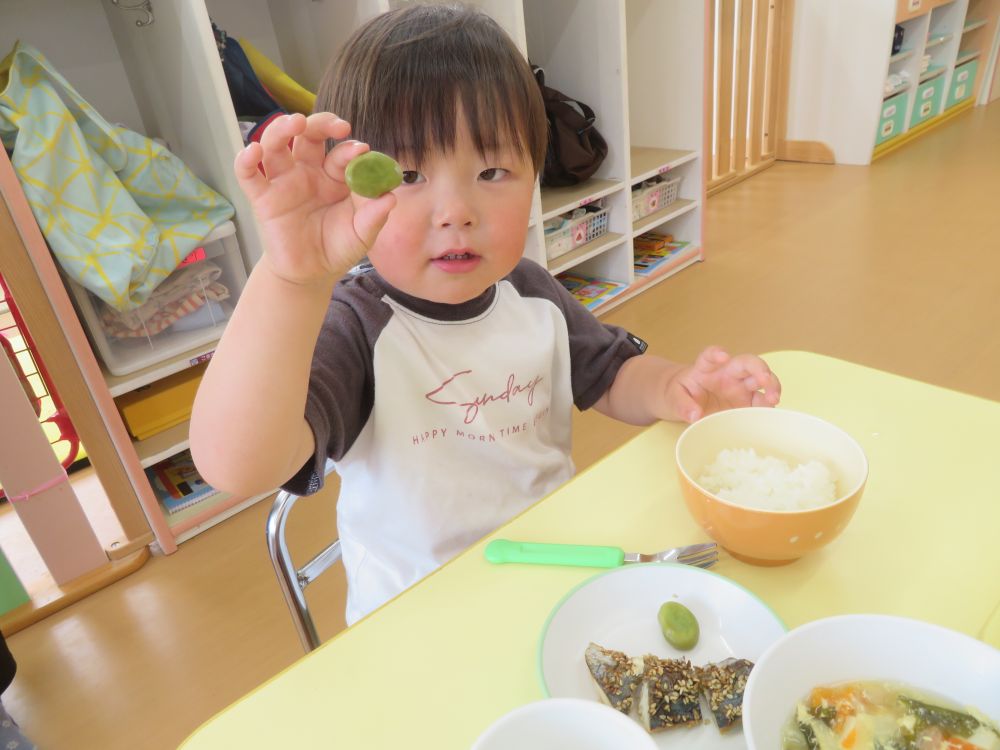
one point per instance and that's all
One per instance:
(404, 76)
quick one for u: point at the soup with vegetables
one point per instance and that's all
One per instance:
(884, 716)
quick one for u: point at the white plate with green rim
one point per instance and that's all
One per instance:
(617, 610)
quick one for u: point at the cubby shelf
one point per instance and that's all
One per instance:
(166, 80)
(674, 210)
(851, 118)
(648, 162)
(932, 73)
(576, 256)
(120, 384)
(197, 518)
(162, 445)
(558, 200)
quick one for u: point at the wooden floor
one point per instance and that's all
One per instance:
(896, 266)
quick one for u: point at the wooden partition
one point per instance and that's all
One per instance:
(745, 56)
(30, 274)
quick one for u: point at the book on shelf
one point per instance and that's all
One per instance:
(177, 483)
(590, 292)
(652, 250)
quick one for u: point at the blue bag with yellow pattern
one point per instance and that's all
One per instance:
(118, 210)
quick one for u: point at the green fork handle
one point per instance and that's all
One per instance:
(580, 555)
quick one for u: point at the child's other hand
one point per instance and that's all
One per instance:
(311, 228)
(718, 381)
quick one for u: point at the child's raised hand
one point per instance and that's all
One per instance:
(719, 381)
(312, 230)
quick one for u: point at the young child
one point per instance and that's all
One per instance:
(441, 378)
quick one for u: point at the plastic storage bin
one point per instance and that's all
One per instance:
(577, 230)
(161, 405)
(892, 118)
(654, 196)
(961, 83)
(126, 354)
(928, 101)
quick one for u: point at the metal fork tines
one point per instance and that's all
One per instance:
(700, 555)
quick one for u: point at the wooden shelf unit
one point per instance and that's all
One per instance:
(648, 162)
(836, 91)
(658, 218)
(576, 256)
(166, 80)
(558, 200)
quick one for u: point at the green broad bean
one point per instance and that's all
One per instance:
(679, 626)
(373, 174)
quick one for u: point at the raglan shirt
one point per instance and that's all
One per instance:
(445, 421)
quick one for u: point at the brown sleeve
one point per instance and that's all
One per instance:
(341, 383)
(597, 350)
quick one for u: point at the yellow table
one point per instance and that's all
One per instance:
(438, 664)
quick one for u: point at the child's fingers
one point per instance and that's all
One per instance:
(311, 145)
(711, 358)
(370, 217)
(765, 398)
(756, 376)
(688, 409)
(340, 156)
(770, 390)
(277, 157)
(251, 181)
(686, 401)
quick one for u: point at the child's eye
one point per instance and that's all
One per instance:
(493, 174)
(411, 177)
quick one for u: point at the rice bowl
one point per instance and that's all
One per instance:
(767, 535)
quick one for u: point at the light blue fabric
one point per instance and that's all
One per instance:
(119, 211)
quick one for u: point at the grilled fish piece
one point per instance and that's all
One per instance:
(670, 693)
(723, 684)
(615, 674)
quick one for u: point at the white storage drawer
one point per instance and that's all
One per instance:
(195, 319)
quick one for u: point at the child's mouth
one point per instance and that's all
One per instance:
(456, 261)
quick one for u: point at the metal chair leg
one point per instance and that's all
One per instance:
(291, 580)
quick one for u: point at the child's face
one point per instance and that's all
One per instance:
(459, 224)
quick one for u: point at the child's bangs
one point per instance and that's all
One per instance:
(405, 80)
(427, 119)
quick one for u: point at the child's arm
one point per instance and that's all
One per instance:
(248, 430)
(648, 388)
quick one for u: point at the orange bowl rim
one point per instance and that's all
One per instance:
(840, 500)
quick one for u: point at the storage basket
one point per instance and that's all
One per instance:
(577, 231)
(652, 198)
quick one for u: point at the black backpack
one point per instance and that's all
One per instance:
(575, 149)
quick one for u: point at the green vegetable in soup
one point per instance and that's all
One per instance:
(874, 715)
(826, 714)
(373, 174)
(955, 722)
(809, 736)
(792, 738)
(679, 626)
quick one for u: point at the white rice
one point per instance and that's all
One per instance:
(742, 477)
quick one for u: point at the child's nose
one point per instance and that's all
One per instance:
(454, 210)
